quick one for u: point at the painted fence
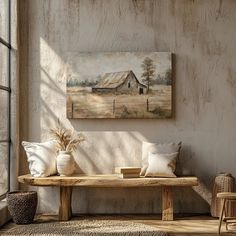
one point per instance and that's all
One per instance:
(123, 108)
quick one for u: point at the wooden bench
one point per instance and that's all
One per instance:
(106, 181)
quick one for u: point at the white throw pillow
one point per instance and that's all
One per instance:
(165, 148)
(161, 165)
(41, 158)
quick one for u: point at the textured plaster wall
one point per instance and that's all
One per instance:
(200, 33)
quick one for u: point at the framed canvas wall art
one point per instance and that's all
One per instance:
(119, 85)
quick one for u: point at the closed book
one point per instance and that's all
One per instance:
(127, 170)
(126, 176)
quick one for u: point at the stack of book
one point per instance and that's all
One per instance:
(128, 172)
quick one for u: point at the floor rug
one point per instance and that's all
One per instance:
(86, 228)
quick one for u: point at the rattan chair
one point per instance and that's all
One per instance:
(225, 196)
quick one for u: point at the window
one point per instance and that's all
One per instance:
(5, 96)
(129, 85)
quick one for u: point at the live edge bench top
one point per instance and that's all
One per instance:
(106, 181)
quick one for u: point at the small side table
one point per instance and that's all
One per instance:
(225, 196)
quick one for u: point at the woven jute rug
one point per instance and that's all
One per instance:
(86, 228)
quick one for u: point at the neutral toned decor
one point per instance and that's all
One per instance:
(161, 165)
(88, 228)
(127, 169)
(22, 206)
(41, 158)
(120, 85)
(65, 163)
(128, 172)
(165, 148)
(67, 141)
(226, 197)
(67, 183)
(224, 182)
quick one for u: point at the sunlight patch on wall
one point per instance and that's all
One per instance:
(53, 71)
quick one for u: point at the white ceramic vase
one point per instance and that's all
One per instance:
(65, 163)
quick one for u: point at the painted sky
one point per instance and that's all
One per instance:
(90, 65)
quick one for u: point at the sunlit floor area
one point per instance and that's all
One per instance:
(186, 226)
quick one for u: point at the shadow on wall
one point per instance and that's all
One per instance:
(109, 143)
(101, 153)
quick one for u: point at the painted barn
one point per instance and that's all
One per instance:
(123, 82)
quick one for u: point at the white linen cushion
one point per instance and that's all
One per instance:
(41, 158)
(161, 165)
(165, 148)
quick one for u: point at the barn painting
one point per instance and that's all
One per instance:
(120, 82)
(119, 85)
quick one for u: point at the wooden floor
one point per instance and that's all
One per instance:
(186, 226)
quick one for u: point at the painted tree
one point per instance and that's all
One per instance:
(148, 71)
(168, 77)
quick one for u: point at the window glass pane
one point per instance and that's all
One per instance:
(4, 55)
(3, 168)
(4, 114)
(4, 19)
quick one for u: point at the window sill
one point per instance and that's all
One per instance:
(4, 213)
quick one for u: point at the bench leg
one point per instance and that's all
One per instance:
(221, 215)
(167, 203)
(65, 211)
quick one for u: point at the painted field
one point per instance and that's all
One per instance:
(81, 103)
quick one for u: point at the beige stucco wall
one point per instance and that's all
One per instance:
(201, 34)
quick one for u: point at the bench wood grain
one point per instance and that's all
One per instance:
(66, 183)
